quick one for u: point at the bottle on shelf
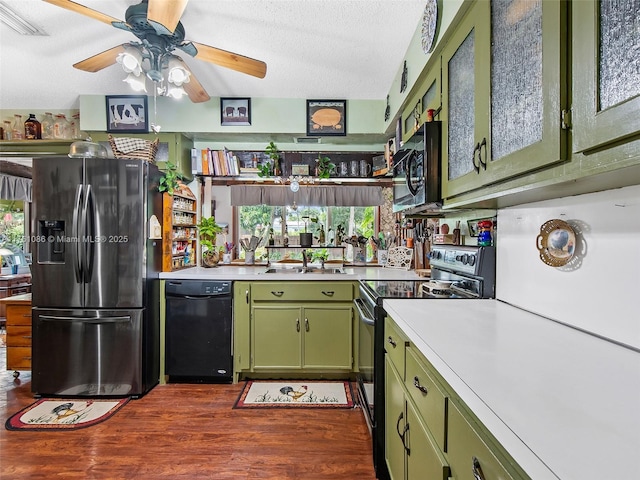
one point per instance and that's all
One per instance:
(61, 127)
(7, 130)
(32, 128)
(46, 126)
(17, 129)
(285, 238)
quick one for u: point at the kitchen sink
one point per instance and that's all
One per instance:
(303, 270)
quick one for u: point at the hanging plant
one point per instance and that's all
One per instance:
(170, 180)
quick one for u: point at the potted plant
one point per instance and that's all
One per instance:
(208, 229)
(273, 166)
(171, 179)
(324, 167)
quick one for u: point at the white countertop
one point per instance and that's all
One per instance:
(253, 273)
(564, 403)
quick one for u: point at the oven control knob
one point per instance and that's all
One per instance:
(437, 254)
(471, 260)
(465, 259)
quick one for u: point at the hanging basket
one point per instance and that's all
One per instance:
(126, 147)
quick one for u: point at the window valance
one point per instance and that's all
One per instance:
(15, 188)
(316, 195)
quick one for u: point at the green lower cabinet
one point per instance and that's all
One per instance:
(394, 422)
(469, 456)
(411, 453)
(241, 327)
(276, 339)
(327, 337)
(424, 459)
(302, 337)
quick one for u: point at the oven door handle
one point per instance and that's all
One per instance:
(362, 312)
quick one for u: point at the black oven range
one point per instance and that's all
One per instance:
(457, 272)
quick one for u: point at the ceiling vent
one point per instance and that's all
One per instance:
(307, 140)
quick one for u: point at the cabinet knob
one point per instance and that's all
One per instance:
(422, 388)
(392, 341)
(297, 324)
(277, 293)
(306, 324)
(328, 293)
(477, 470)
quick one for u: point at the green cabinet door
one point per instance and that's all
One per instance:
(241, 326)
(395, 421)
(606, 73)
(276, 337)
(327, 337)
(424, 459)
(504, 89)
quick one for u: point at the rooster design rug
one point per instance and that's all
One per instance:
(64, 414)
(303, 393)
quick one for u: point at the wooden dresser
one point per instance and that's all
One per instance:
(11, 285)
(18, 310)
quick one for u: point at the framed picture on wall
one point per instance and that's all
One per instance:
(326, 118)
(127, 114)
(235, 112)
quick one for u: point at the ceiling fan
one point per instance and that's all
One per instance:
(157, 25)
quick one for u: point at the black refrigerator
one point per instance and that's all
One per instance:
(95, 272)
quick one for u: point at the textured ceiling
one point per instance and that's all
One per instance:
(313, 49)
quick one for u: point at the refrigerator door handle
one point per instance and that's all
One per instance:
(75, 232)
(90, 237)
(95, 320)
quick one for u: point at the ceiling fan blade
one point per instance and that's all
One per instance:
(193, 87)
(230, 60)
(166, 12)
(76, 7)
(101, 60)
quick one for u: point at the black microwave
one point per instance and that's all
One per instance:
(416, 169)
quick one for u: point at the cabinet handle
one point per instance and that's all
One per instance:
(476, 167)
(306, 324)
(422, 388)
(398, 427)
(404, 436)
(477, 470)
(328, 293)
(483, 144)
(392, 341)
(277, 293)
(246, 295)
(297, 324)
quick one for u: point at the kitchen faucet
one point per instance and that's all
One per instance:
(304, 260)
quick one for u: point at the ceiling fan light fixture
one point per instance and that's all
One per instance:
(177, 74)
(176, 92)
(131, 60)
(136, 82)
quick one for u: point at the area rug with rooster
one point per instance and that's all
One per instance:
(299, 393)
(64, 414)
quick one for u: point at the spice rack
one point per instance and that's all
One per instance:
(179, 231)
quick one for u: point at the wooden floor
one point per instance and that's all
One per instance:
(181, 431)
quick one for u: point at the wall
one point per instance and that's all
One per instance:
(598, 290)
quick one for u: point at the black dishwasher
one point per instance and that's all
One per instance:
(199, 331)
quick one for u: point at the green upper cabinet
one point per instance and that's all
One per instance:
(503, 90)
(172, 146)
(428, 97)
(606, 72)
